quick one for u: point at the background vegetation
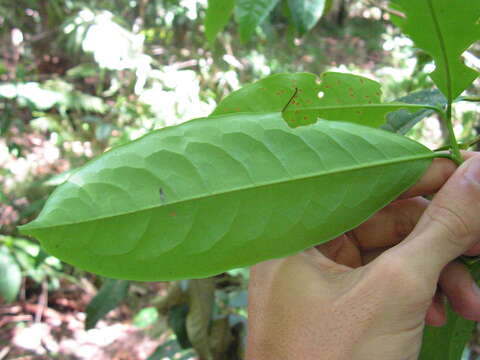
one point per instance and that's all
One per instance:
(79, 77)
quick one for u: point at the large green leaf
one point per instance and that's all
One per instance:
(447, 342)
(402, 121)
(223, 192)
(302, 100)
(10, 275)
(250, 13)
(306, 13)
(444, 29)
(217, 16)
(110, 295)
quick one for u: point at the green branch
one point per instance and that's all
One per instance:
(454, 147)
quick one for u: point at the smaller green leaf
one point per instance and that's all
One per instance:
(445, 29)
(402, 121)
(110, 295)
(449, 341)
(217, 17)
(302, 99)
(177, 320)
(306, 13)
(10, 276)
(145, 317)
(251, 13)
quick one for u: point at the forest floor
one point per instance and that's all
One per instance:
(40, 328)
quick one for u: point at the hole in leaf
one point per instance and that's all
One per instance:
(321, 94)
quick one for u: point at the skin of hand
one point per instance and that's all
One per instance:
(368, 293)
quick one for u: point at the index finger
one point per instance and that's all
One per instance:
(436, 176)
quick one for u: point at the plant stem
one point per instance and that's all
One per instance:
(454, 148)
(472, 142)
(444, 155)
(470, 98)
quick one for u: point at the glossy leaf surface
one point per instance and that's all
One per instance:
(402, 121)
(217, 16)
(306, 13)
(344, 97)
(250, 13)
(223, 192)
(445, 32)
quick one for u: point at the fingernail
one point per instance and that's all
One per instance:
(476, 289)
(473, 170)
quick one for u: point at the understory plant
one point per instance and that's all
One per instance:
(281, 165)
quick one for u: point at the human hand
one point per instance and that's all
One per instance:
(368, 294)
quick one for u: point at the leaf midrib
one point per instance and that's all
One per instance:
(272, 183)
(443, 47)
(354, 106)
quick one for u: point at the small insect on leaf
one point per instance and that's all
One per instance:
(289, 101)
(162, 195)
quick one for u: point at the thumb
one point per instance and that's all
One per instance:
(451, 223)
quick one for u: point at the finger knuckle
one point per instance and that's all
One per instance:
(396, 273)
(451, 223)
